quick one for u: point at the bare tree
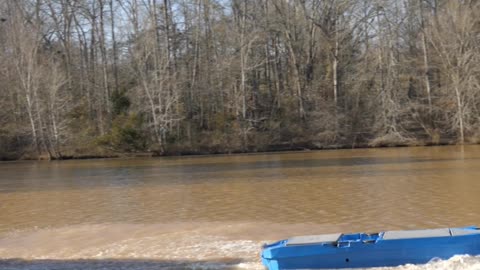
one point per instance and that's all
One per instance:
(238, 75)
(153, 78)
(56, 101)
(455, 39)
(25, 40)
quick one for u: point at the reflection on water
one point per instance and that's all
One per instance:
(200, 210)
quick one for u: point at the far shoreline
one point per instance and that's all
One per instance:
(186, 153)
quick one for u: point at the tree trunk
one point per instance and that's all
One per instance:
(459, 112)
(114, 45)
(103, 52)
(335, 72)
(296, 76)
(425, 62)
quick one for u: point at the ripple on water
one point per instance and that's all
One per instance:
(455, 263)
(223, 208)
(145, 247)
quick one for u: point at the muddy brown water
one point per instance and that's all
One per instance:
(216, 211)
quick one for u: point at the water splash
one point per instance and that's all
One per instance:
(459, 262)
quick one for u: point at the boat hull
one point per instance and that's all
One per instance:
(361, 254)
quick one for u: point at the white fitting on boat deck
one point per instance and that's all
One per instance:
(313, 239)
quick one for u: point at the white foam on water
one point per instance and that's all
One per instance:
(459, 262)
(114, 246)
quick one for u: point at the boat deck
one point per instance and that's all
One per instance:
(388, 235)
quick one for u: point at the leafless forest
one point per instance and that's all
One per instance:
(101, 77)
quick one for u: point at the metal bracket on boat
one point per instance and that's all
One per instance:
(343, 244)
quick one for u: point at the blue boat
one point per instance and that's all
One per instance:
(390, 248)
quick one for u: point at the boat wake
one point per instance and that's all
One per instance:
(459, 262)
(133, 247)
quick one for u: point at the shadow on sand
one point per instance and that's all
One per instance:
(116, 264)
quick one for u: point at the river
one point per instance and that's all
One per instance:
(214, 212)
